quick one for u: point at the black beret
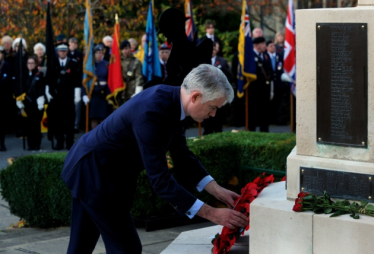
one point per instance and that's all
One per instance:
(98, 47)
(125, 44)
(164, 46)
(60, 37)
(258, 40)
(269, 42)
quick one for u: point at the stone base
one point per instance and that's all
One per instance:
(275, 228)
(295, 161)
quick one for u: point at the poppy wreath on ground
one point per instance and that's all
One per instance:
(222, 243)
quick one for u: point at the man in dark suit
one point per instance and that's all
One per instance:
(102, 168)
(63, 94)
(164, 53)
(75, 53)
(214, 124)
(260, 90)
(209, 29)
(281, 89)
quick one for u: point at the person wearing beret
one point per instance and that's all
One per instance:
(131, 73)
(99, 107)
(30, 100)
(102, 167)
(260, 90)
(164, 53)
(63, 94)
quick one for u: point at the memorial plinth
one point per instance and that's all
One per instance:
(334, 137)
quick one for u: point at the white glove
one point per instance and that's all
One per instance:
(138, 89)
(86, 99)
(286, 78)
(40, 102)
(20, 104)
(49, 96)
(271, 90)
(77, 95)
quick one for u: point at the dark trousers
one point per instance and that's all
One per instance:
(106, 218)
(33, 129)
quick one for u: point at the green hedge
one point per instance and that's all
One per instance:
(34, 190)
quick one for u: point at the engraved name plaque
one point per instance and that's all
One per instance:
(342, 68)
(341, 185)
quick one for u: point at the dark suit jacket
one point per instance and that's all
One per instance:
(216, 39)
(222, 64)
(107, 160)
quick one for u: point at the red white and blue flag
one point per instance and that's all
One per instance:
(290, 46)
(190, 24)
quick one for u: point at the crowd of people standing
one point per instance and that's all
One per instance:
(25, 96)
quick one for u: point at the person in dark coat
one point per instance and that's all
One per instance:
(209, 29)
(99, 107)
(215, 124)
(139, 133)
(63, 94)
(259, 91)
(164, 53)
(6, 97)
(30, 99)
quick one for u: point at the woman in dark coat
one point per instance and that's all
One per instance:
(31, 103)
(6, 97)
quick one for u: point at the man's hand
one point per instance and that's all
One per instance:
(226, 196)
(223, 216)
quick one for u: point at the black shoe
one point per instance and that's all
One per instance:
(58, 147)
(30, 148)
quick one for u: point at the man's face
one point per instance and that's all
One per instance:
(72, 46)
(164, 54)
(99, 55)
(126, 52)
(7, 46)
(200, 111)
(257, 32)
(280, 38)
(62, 53)
(271, 48)
(108, 43)
(215, 50)
(209, 29)
(144, 38)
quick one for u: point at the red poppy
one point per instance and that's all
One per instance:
(298, 207)
(68, 71)
(302, 194)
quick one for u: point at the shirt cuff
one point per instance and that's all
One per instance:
(201, 185)
(194, 209)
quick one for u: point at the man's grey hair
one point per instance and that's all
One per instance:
(108, 37)
(6, 38)
(132, 40)
(73, 40)
(39, 45)
(210, 81)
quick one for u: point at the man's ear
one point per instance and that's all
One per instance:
(195, 96)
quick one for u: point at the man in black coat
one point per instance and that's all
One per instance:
(214, 124)
(209, 29)
(281, 89)
(102, 168)
(63, 94)
(260, 90)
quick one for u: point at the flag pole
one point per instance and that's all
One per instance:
(246, 109)
(292, 112)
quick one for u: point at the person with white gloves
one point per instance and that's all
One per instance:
(99, 108)
(30, 100)
(63, 93)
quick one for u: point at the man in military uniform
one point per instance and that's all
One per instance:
(63, 94)
(131, 73)
(260, 90)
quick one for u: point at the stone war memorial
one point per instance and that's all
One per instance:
(334, 138)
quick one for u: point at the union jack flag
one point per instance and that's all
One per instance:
(290, 46)
(190, 24)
